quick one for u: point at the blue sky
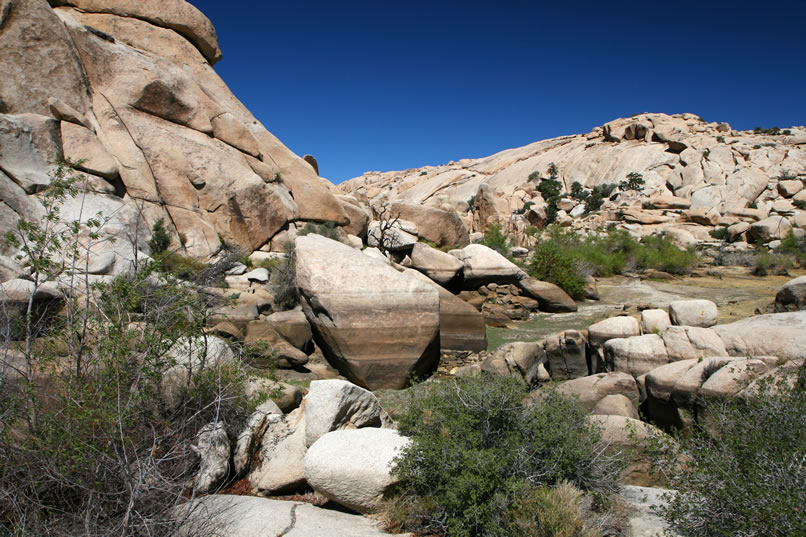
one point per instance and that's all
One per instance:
(381, 85)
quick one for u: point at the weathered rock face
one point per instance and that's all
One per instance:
(376, 325)
(128, 88)
(776, 334)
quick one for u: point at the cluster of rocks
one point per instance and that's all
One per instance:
(667, 362)
(699, 177)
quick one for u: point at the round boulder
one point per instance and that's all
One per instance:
(353, 467)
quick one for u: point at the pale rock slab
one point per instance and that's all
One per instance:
(635, 355)
(698, 312)
(776, 334)
(353, 467)
(281, 457)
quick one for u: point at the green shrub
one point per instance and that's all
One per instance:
(719, 233)
(548, 512)
(743, 472)
(471, 203)
(496, 239)
(160, 240)
(283, 279)
(794, 247)
(565, 258)
(767, 263)
(326, 229)
(555, 261)
(477, 451)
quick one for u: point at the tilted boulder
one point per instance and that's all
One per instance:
(338, 404)
(771, 228)
(483, 265)
(377, 326)
(549, 296)
(437, 265)
(443, 228)
(280, 459)
(213, 448)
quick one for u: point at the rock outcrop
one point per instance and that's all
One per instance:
(695, 174)
(128, 89)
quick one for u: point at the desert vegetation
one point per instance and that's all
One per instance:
(482, 462)
(565, 258)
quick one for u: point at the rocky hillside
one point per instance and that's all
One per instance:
(696, 174)
(127, 88)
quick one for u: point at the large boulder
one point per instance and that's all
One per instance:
(687, 342)
(774, 334)
(213, 448)
(592, 389)
(635, 355)
(519, 359)
(437, 265)
(461, 326)
(483, 265)
(353, 467)
(443, 228)
(792, 296)
(696, 312)
(31, 146)
(338, 404)
(566, 355)
(549, 297)
(377, 326)
(177, 15)
(614, 327)
(771, 228)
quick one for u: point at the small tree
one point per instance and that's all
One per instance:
(160, 240)
(635, 181)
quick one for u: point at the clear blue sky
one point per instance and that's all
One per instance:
(381, 85)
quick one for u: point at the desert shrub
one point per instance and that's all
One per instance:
(719, 233)
(326, 229)
(477, 450)
(799, 204)
(743, 473)
(660, 252)
(496, 239)
(89, 442)
(182, 266)
(283, 279)
(471, 203)
(564, 258)
(794, 247)
(160, 239)
(767, 263)
(578, 192)
(548, 512)
(597, 196)
(554, 260)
